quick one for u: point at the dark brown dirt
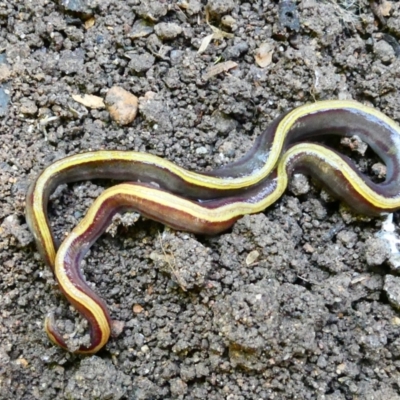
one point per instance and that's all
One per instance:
(290, 304)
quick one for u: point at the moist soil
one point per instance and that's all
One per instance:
(288, 304)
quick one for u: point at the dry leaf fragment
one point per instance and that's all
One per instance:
(89, 100)
(219, 34)
(216, 35)
(204, 43)
(217, 69)
(264, 55)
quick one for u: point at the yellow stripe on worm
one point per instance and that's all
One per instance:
(340, 117)
(247, 186)
(212, 217)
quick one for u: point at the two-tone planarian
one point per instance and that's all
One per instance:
(209, 203)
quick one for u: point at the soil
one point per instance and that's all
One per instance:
(292, 303)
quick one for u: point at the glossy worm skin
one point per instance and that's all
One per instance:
(215, 201)
(345, 118)
(211, 217)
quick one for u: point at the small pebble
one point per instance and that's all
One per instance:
(167, 30)
(392, 289)
(192, 7)
(354, 143)
(141, 62)
(178, 387)
(384, 51)
(308, 248)
(201, 150)
(348, 238)
(4, 72)
(117, 327)
(379, 170)
(121, 105)
(141, 28)
(394, 262)
(228, 21)
(28, 107)
(220, 7)
(137, 309)
(376, 252)
(299, 184)
(152, 10)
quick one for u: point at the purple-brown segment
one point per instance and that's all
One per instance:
(219, 197)
(345, 118)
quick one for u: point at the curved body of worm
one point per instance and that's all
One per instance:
(336, 117)
(210, 217)
(210, 203)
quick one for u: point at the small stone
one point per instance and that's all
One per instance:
(379, 170)
(354, 143)
(264, 54)
(137, 308)
(377, 252)
(384, 51)
(289, 16)
(28, 107)
(141, 62)
(192, 6)
(394, 262)
(22, 361)
(152, 10)
(117, 327)
(235, 51)
(201, 150)
(176, 56)
(392, 289)
(89, 100)
(71, 61)
(340, 368)
(396, 321)
(308, 248)
(220, 7)
(79, 6)
(145, 349)
(178, 387)
(299, 184)
(4, 72)
(348, 238)
(121, 105)
(141, 28)
(228, 21)
(167, 30)
(326, 80)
